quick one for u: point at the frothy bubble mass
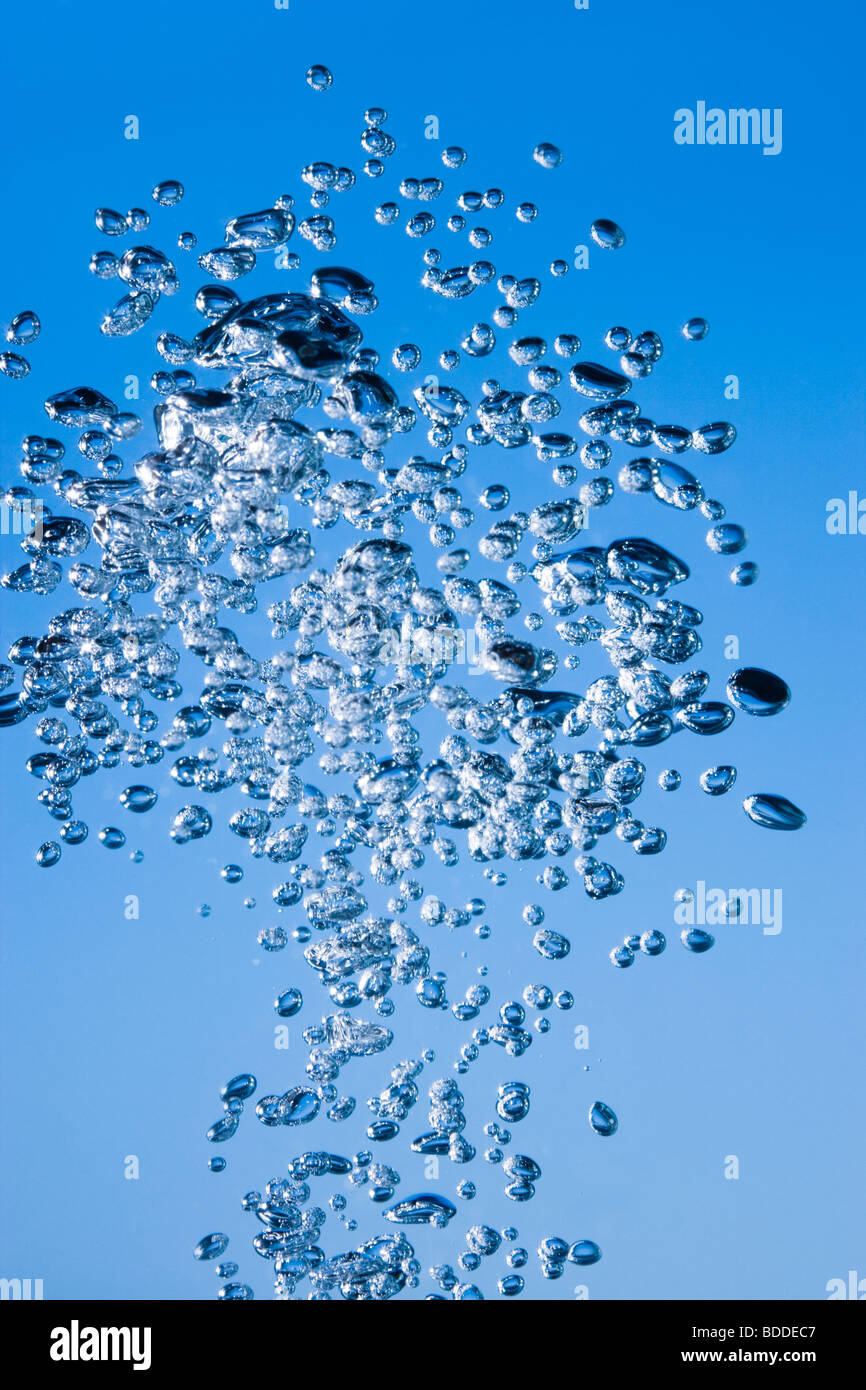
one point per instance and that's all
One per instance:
(168, 549)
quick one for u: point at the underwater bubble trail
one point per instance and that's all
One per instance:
(167, 553)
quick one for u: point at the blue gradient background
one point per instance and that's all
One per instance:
(117, 1035)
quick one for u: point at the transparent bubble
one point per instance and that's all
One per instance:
(112, 838)
(24, 328)
(607, 234)
(319, 78)
(168, 193)
(547, 155)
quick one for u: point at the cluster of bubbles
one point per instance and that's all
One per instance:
(161, 549)
(21, 332)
